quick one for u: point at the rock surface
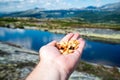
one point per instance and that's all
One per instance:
(10, 53)
(83, 76)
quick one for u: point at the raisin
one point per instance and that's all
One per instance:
(71, 48)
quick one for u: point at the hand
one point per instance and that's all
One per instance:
(50, 53)
(55, 66)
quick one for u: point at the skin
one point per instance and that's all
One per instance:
(55, 66)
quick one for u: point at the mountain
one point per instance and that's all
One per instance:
(107, 7)
(105, 13)
(2, 14)
(111, 7)
(22, 13)
(91, 8)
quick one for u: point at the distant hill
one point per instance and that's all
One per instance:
(105, 13)
(114, 12)
(91, 8)
(111, 7)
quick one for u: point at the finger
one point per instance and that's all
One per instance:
(53, 43)
(76, 35)
(77, 53)
(67, 37)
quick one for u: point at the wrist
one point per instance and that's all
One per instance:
(53, 69)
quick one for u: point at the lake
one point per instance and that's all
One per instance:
(96, 52)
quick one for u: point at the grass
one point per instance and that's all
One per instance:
(12, 71)
(57, 23)
(99, 70)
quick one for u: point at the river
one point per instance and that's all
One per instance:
(94, 51)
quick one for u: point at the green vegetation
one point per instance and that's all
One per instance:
(56, 23)
(8, 19)
(105, 73)
(76, 23)
(13, 71)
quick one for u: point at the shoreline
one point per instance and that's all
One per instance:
(86, 33)
(107, 38)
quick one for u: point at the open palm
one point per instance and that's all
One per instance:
(68, 62)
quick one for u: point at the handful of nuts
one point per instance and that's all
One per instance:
(68, 47)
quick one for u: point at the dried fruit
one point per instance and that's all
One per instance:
(67, 47)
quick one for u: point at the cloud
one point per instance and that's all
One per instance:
(98, 3)
(48, 4)
(20, 5)
(16, 5)
(11, 0)
(53, 4)
(57, 1)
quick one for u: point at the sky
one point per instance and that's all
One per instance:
(21, 5)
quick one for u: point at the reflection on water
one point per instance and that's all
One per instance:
(25, 42)
(102, 53)
(97, 52)
(31, 39)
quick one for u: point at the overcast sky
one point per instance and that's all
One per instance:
(19, 5)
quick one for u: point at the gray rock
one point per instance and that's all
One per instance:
(83, 76)
(15, 62)
(15, 54)
(98, 31)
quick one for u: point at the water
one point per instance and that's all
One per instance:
(97, 52)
